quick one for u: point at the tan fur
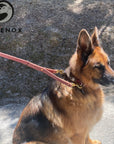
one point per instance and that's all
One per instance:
(71, 112)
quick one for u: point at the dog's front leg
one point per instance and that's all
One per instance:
(89, 141)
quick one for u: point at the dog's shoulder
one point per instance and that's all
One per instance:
(42, 106)
(37, 117)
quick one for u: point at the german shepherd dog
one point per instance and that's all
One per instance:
(66, 115)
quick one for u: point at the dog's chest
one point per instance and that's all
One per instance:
(86, 112)
(91, 111)
(93, 114)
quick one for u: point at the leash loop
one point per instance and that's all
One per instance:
(77, 85)
(60, 71)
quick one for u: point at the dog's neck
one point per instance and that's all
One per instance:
(69, 76)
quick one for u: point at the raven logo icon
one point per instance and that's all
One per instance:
(6, 11)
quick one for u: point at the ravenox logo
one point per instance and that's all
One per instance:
(6, 11)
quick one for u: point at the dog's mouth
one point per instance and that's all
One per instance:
(105, 80)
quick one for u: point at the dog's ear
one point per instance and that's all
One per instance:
(84, 48)
(95, 37)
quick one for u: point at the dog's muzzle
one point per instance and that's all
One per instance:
(105, 80)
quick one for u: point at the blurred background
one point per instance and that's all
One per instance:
(48, 36)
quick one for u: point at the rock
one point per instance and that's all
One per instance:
(48, 38)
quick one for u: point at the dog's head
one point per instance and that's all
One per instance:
(90, 63)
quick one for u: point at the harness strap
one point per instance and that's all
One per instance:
(48, 71)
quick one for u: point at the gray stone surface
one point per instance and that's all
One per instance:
(49, 33)
(10, 110)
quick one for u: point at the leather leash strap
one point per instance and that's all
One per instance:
(48, 71)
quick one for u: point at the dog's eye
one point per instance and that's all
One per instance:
(99, 66)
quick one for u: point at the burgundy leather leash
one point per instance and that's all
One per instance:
(48, 71)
